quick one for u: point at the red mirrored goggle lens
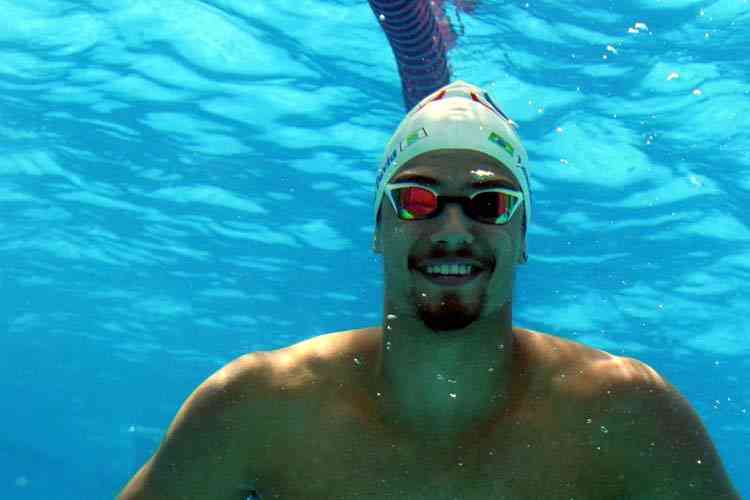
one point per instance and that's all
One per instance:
(418, 203)
(415, 203)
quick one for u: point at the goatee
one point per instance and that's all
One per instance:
(452, 313)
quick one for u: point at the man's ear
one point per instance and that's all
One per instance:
(523, 257)
(377, 245)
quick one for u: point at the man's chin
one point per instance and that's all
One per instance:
(451, 314)
(443, 323)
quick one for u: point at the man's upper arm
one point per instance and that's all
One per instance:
(206, 451)
(666, 451)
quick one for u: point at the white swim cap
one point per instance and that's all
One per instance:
(456, 116)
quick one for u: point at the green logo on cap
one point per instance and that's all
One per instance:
(412, 138)
(501, 142)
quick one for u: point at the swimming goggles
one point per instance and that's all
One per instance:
(413, 201)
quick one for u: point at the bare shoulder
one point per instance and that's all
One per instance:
(205, 449)
(216, 444)
(573, 366)
(284, 379)
(660, 446)
(646, 431)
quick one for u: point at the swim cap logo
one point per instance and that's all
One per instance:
(501, 142)
(493, 137)
(412, 138)
(408, 141)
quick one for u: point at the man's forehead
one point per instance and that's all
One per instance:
(473, 165)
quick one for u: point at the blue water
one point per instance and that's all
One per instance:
(185, 181)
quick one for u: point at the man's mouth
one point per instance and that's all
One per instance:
(450, 273)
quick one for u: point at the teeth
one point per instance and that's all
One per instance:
(455, 269)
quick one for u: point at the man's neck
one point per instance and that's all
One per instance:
(439, 385)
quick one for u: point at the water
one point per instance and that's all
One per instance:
(183, 182)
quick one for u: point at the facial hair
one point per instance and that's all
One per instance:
(450, 313)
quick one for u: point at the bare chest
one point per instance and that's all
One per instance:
(342, 459)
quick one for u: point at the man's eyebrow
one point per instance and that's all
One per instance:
(482, 184)
(421, 179)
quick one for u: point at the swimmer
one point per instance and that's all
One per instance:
(445, 399)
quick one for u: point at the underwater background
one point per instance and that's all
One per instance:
(186, 181)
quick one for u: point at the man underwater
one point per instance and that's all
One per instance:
(446, 399)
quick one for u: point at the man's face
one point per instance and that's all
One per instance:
(440, 302)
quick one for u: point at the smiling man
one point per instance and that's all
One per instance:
(447, 399)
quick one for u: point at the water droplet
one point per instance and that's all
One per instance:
(357, 362)
(381, 17)
(452, 394)
(604, 430)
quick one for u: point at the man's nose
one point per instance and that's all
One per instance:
(453, 227)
